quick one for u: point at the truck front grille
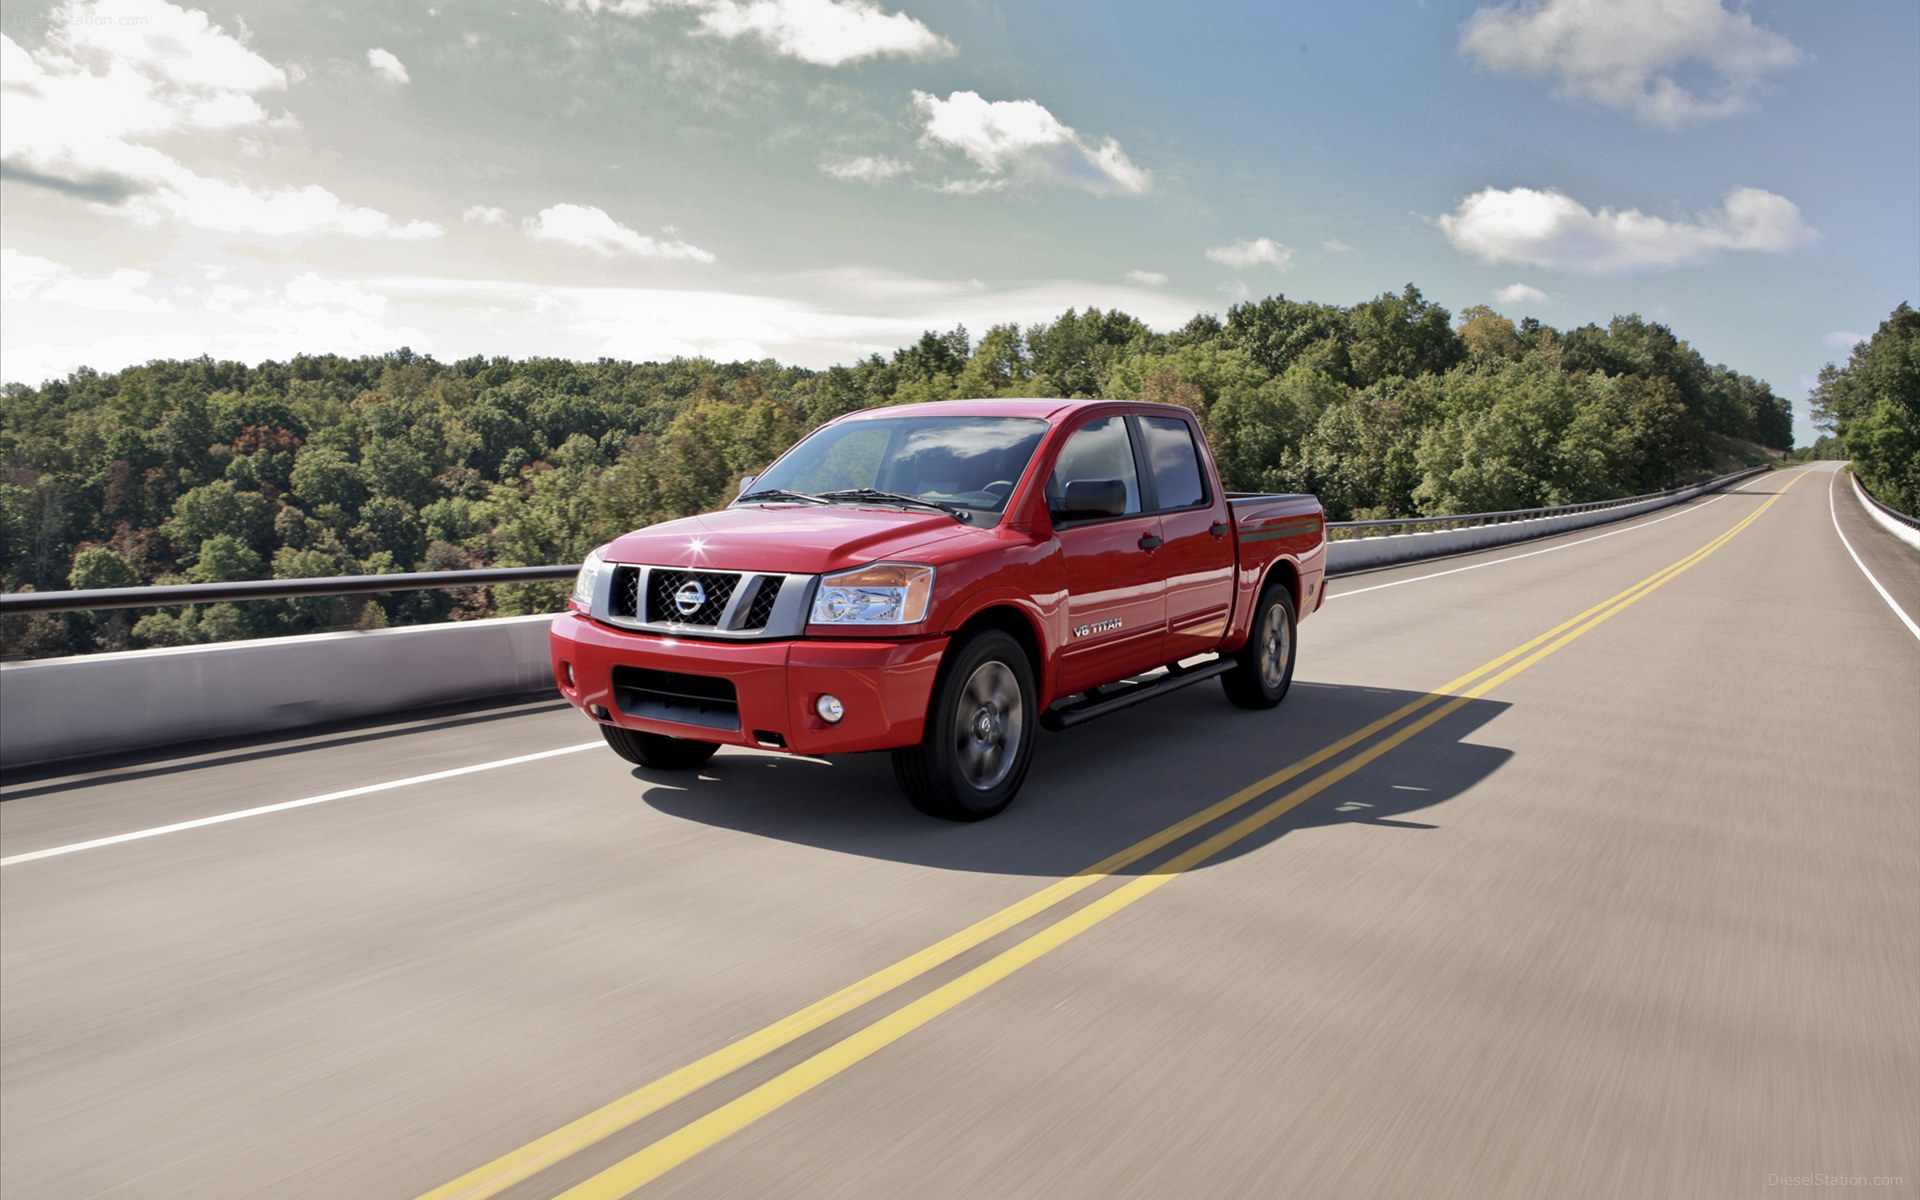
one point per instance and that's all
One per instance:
(678, 599)
(688, 597)
(760, 608)
(625, 600)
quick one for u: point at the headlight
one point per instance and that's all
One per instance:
(582, 597)
(884, 594)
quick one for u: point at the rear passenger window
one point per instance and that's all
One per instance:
(1177, 482)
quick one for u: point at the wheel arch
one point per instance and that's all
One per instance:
(1013, 621)
(1283, 570)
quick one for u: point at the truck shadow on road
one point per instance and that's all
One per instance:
(1098, 789)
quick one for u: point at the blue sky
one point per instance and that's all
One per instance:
(816, 180)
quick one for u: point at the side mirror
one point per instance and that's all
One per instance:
(746, 481)
(1093, 498)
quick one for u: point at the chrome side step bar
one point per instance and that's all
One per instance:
(1115, 696)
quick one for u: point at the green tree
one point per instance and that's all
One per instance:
(1872, 405)
(1276, 332)
(393, 469)
(100, 567)
(217, 509)
(999, 365)
(1625, 439)
(1500, 450)
(1070, 356)
(223, 558)
(103, 567)
(1487, 334)
(324, 475)
(1402, 336)
(390, 525)
(1362, 455)
(934, 355)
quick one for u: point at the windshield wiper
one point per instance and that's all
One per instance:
(953, 511)
(779, 494)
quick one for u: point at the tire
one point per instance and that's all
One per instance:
(981, 725)
(656, 750)
(1263, 668)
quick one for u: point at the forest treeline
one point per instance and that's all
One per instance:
(199, 471)
(1871, 407)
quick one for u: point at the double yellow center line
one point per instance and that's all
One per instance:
(675, 1148)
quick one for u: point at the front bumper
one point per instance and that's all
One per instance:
(747, 693)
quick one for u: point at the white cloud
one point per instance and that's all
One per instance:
(1258, 252)
(386, 65)
(625, 8)
(1521, 293)
(312, 291)
(179, 47)
(28, 277)
(590, 228)
(1841, 339)
(259, 310)
(1147, 278)
(271, 212)
(1336, 246)
(114, 77)
(252, 314)
(78, 109)
(1632, 54)
(867, 170)
(971, 187)
(485, 214)
(815, 319)
(827, 33)
(1005, 138)
(1550, 229)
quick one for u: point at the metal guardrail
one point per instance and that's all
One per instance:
(1393, 525)
(1896, 514)
(274, 589)
(96, 599)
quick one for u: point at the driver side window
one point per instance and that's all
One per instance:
(1100, 449)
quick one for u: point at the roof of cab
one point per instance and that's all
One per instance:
(1046, 409)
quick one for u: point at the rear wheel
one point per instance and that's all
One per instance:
(979, 736)
(1263, 668)
(657, 750)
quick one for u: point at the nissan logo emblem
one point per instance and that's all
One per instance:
(690, 597)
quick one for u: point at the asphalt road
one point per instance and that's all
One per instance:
(1631, 909)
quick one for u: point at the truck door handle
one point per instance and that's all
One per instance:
(1149, 541)
(1218, 529)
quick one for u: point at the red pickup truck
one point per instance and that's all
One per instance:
(942, 581)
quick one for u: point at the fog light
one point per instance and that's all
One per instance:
(830, 709)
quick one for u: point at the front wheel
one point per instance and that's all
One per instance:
(1263, 668)
(979, 736)
(656, 750)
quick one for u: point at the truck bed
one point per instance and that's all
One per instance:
(1262, 515)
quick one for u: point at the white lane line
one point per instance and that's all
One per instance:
(1834, 512)
(1532, 553)
(263, 810)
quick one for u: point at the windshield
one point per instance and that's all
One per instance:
(958, 462)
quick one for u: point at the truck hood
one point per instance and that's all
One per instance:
(788, 541)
